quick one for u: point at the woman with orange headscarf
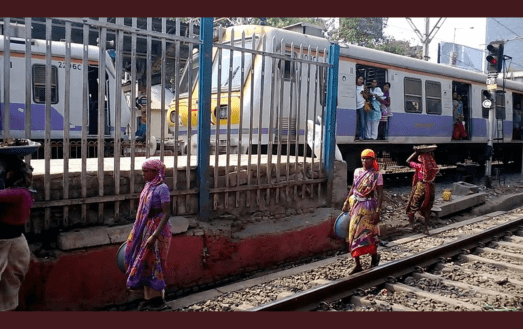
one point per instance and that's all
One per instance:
(422, 196)
(364, 206)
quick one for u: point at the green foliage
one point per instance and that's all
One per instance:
(368, 32)
(362, 31)
(286, 21)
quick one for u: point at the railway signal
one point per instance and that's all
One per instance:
(495, 56)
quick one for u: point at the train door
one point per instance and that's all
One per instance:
(463, 93)
(517, 116)
(93, 102)
(370, 73)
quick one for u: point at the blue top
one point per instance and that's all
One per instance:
(141, 131)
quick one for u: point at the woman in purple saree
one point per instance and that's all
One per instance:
(149, 240)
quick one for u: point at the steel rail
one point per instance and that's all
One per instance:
(309, 300)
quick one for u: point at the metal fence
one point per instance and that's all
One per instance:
(269, 137)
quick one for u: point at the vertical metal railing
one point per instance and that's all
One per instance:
(28, 121)
(257, 105)
(47, 140)
(102, 34)
(204, 118)
(331, 99)
(6, 122)
(85, 119)
(118, 116)
(67, 113)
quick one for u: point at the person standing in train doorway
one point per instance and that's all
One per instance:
(364, 206)
(361, 115)
(383, 128)
(458, 118)
(150, 238)
(374, 115)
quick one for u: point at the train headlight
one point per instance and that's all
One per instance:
(221, 112)
(175, 118)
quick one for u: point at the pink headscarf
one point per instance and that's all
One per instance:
(155, 164)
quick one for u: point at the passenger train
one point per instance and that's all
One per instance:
(17, 87)
(421, 98)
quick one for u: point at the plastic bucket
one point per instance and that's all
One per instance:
(341, 225)
(120, 257)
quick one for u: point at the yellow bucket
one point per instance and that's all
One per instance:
(447, 194)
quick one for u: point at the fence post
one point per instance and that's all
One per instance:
(330, 116)
(204, 116)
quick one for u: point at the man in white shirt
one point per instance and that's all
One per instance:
(360, 110)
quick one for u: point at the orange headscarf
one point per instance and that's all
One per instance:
(370, 153)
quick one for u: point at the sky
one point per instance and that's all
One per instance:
(400, 29)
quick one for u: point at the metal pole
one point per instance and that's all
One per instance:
(427, 40)
(204, 117)
(490, 131)
(330, 115)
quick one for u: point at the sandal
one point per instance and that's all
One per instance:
(155, 304)
(375, 261)
(355, 269)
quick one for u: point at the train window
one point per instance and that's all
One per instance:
(39, 84)
(413, 95)
(500, 106)
(433, 97)
(228, 71)
(370, 73)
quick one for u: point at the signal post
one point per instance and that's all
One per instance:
(494, 66)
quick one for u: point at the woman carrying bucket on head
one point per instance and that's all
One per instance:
(364, 206)
(149, 240)
(422, 196)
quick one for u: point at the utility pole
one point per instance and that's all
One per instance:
(495, 65)
(427, 38)
(427, 41)
(491, 104)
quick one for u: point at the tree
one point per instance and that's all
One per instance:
(362, 31)
(368, 32)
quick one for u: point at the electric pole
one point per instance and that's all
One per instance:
(427, 38)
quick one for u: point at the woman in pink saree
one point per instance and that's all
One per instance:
(149, 240)
(364, 206)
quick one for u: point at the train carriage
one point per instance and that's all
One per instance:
(17, 87)
(287, 92)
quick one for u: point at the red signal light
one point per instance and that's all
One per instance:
(492, 60)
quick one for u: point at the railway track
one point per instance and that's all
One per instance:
(407, 284)
(474, 265)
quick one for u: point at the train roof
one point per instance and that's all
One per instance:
(57, 48)
(377, 56)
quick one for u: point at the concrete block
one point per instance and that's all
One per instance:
(179, 224)
(84, 238)
(118, 234)
(92, 237)
(463, 188)
(461, 203)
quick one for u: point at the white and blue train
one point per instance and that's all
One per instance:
(36, 77)
(421, 98)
